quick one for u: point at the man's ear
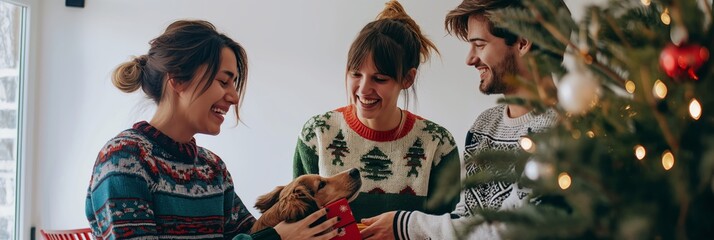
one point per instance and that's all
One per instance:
(409, 78)
(524, 46)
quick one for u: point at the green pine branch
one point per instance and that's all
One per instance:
(613, 194)
(522, 22)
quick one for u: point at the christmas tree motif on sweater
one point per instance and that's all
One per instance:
(438, 132)
(376, 165)
(415, 156)
(339, 147)
(319, 121)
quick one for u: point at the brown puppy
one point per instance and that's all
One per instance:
(305, 195)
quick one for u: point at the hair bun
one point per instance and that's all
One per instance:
(393, 10)
(128, 75)
(141, 60)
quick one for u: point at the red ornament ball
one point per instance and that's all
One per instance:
(682, 62)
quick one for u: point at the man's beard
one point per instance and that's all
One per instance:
(499, 84)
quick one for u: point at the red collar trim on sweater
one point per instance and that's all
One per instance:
(350, 115)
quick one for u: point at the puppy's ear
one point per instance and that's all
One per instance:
(298, 205)
(266, 201)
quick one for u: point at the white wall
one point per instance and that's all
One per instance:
(297, 52)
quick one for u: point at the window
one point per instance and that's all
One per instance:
(12, 39)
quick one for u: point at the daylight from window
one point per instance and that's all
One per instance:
(11, 24)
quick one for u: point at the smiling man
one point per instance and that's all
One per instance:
(498, 57)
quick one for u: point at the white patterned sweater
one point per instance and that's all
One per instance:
(492, 130)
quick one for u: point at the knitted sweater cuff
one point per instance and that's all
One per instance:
(400, 224)
(266, 234)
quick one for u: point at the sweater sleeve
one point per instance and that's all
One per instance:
(459, 224)
(445, 174)
(237, 217)
(305, 160)
(119, 197)
(306, 156)
(419, 225)
(265, 234)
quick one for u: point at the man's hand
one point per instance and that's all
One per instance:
(379, 227)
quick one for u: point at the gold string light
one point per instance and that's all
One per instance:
(667, 160)
(630, 86)
(660, 89)
(695, 109)
(646, 2)
(527, 144)
(666, 19)
(590, 134)
(564, 180)
(640, 152)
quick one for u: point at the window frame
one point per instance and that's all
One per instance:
(23, 177)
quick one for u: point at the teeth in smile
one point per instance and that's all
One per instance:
(366, 101)
(218, 110)
(482, 70)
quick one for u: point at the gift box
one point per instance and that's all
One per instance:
(341, 208)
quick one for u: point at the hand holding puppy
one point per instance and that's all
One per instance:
(302, 230)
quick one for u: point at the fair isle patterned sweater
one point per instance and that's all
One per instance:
(146, 186)
(492, 130)
(399, 169)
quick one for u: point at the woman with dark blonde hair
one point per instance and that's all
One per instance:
(153, 181)
(400, 155)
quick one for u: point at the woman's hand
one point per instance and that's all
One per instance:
(379, 227)
(302, 230)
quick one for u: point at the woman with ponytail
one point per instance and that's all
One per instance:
(152, 181)
(400, 155)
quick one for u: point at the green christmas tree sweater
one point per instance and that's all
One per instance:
(399, 168)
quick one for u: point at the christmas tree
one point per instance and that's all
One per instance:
(339, 148)
(633, 154)
(415, 155)
(376, 165)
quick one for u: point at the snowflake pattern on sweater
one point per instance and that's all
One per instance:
(492, 130)
(144, 185)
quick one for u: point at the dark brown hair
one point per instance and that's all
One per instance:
(395, 43)
(456, 22)
(179, 52)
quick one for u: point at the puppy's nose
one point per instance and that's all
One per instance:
(354, 173)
